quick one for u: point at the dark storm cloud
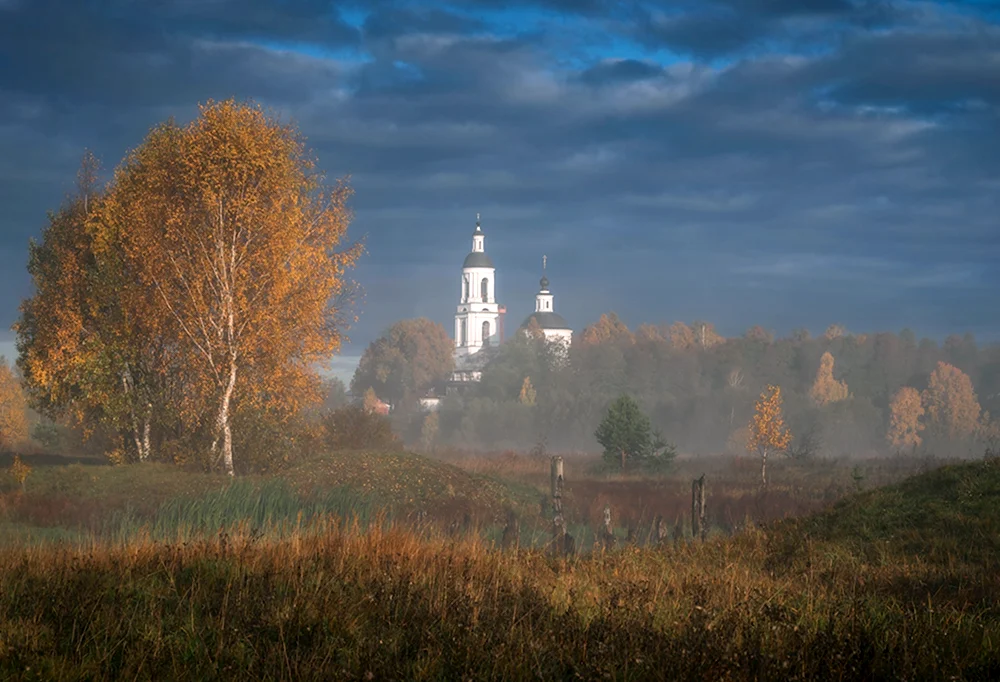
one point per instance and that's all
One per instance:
(925, 71)
(787, 186)
(80, 55)
(618, 71)
(723, 27)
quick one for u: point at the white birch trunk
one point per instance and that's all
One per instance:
(141, 439)
(223, 422)
(146, 446)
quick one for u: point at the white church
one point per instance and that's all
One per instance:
(479, 318)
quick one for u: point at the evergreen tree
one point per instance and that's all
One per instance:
(626, 434)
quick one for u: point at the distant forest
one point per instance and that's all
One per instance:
(844, 393)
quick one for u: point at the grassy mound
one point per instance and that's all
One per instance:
(71, 502)
(410, 481)
(951, 514)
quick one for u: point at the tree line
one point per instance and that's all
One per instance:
(842, 393)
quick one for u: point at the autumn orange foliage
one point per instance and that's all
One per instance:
(951, 404)
(681, 336)
(905, 413)
(13, 408)
(227, 222)
(80, 353)
(205, 280)
(768, 432)
(826, 389)
(528, 393)
(607, 328)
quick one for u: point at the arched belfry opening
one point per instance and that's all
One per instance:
(484, 289)
(486, 333)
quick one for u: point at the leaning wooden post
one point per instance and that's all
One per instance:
(557, 483)
(608, 531)
(695, 530)
(698, 526)
(558, 521)
(704, 521)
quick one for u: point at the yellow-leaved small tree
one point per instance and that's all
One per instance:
(19, 470)
(951, 403)
(528, 393)
(768, 432)
(826, 389)
(905, 426)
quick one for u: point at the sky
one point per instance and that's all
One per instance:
(788, 163)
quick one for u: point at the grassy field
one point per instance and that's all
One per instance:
(80, 501)
(896, 582)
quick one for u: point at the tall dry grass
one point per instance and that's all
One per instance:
(330, 602)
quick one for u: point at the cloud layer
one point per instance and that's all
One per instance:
(789, 163)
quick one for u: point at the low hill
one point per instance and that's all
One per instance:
(63, 502)
(945, 515)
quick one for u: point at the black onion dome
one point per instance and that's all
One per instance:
(546, 320)
(544, 283)
(477, 259)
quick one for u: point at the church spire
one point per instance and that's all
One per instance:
(544, 302)
(478, 238)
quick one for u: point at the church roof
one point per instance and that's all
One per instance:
(477, 259)
(546, 320)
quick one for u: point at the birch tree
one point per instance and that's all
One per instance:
(905, 425)
(768, 432)
(825, 388)
(80, 353)
(13, 408)
(952, 408)
(229, 226)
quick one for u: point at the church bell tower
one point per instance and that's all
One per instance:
(477, 320)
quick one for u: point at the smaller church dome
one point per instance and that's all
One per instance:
(544, 283)
(477, 259)
(546, 320)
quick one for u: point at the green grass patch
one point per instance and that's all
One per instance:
(951, 514)
(258, 507)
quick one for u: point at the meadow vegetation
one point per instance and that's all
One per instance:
(899, 582)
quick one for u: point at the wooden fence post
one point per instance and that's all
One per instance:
(562, 541)
(698, 526)
(607, 531)
(511, 531)
(557, 483)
